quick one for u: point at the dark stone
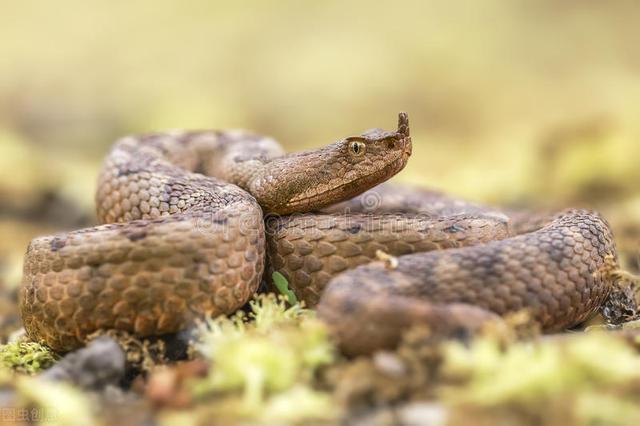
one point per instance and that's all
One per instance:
(100, 364)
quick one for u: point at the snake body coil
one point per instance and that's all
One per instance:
(184, 237)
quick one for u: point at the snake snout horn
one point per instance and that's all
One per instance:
(403, 124)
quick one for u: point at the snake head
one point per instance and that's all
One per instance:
(340, 171)
(377, 154)
(379, 143)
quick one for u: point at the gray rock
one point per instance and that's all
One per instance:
(94, 367)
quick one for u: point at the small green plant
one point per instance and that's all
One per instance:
(282, 285)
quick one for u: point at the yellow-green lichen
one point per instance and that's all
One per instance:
(263, 361)
(26, 357)
(546, 379)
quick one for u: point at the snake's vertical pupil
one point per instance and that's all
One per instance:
(357, 147)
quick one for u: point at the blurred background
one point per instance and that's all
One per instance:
(517, 103)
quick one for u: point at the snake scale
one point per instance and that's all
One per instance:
(185, 236)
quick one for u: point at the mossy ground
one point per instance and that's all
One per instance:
(277, 364)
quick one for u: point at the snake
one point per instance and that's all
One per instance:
(193, 221)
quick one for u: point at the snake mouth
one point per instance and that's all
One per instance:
(358, 186)
(352, 188)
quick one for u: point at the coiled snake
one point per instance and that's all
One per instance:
(184, 237)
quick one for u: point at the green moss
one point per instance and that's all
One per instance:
(26, 357)
(533, 377)
(263, 361)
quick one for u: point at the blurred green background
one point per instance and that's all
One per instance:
(524, 102)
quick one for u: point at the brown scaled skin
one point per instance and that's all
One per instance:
(177, 244)
(559, 274)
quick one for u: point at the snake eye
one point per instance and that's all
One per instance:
(357, 148)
